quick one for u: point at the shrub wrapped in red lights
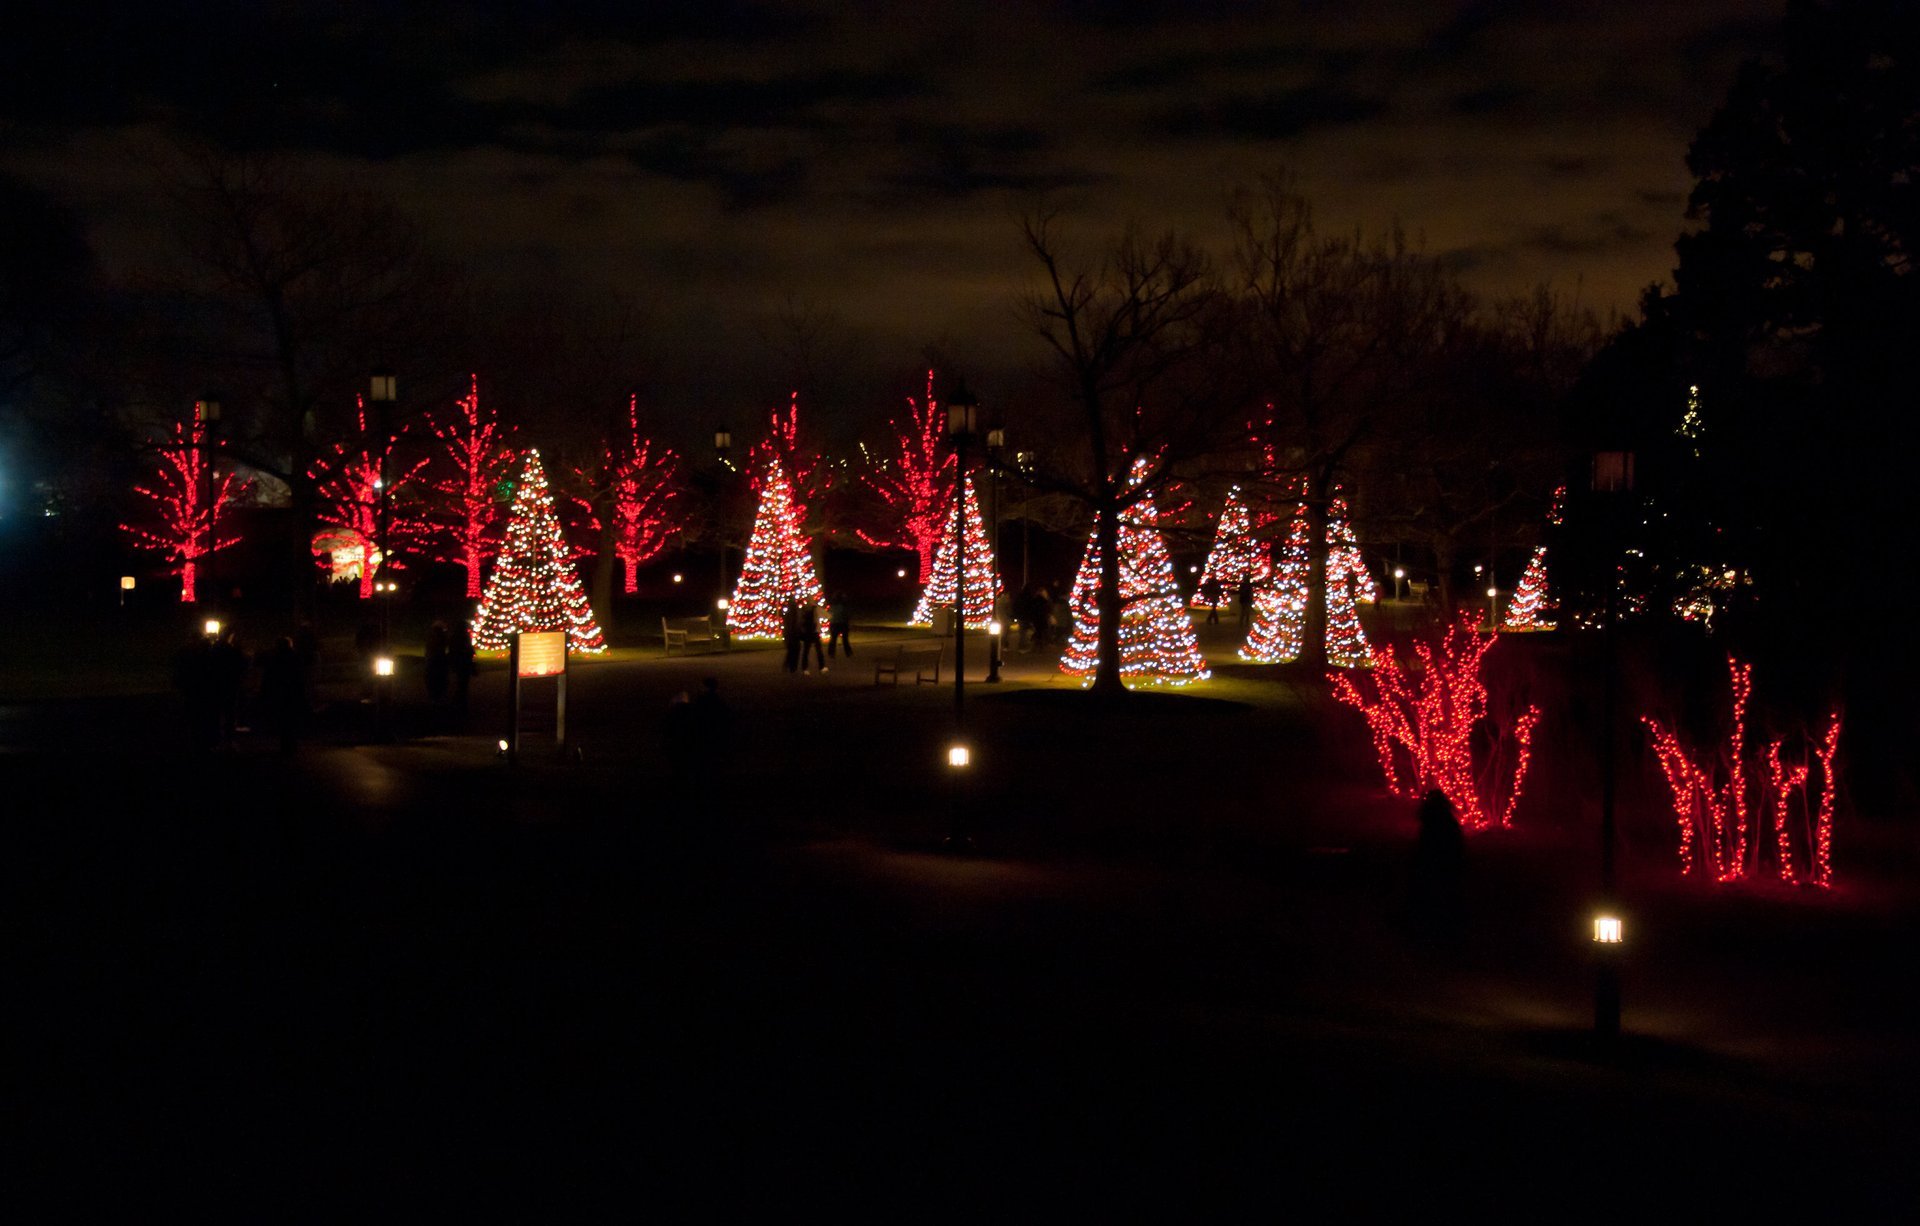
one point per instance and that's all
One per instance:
(1714, 802)
(1424, 721)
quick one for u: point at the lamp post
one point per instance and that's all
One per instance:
(722, 443)
(963, 420)
(1023, 460)
(383, 392)
(206, 416)
(1612, 478)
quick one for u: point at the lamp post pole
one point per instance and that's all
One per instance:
(382, 395)
(722, 443)
(1613, 478)
(963, 413)
(206, 415)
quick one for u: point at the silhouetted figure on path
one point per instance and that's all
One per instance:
(712, 729)
(227, 667)
(1439, 869)
(283, 691)
(193, 678)
(790, 634)
(839, 625)
(439, 666)
(1210, 592)
(811, 649)
(460, 663)
(1246, 602)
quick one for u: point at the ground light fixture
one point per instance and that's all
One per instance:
(677, 578)
(959, 757)
(1607, 930)
(994, 630)
(383, 666)
(126, 583)
(901, 573)
(213, 627)
(721, 604)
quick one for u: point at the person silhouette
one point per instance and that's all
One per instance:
(1439, 867)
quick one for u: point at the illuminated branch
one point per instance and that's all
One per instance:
(1424, 722)
(807, 478)
(914, 484)
(476, 460)
(636, 483)
(1713, 816)
(184, 504)
(347, 492)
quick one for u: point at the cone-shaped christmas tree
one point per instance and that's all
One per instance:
(1157, 643)
(1527, 609)
(1280, 607)
(778, 566)
(983, 584)
(1344, 556)
(533, 586)
(1236, 554)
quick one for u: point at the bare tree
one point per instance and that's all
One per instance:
(1136, 336)
(1344, 333)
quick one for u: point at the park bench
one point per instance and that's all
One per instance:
(689, 633)
(919, 657)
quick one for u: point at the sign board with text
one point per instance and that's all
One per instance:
(542, 653)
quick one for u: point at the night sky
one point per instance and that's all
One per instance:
(726, 162)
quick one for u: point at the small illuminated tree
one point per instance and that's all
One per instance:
(779, 565)
(982, 585)
(913, 483)
(1527, 608)
(635, 485)
(474, 459)
(1157, 642)
(348, 489)
(1715, 806)
(184, 503)
(533, 586)
(1280, 606)
(1427, 720)
(1237, 554)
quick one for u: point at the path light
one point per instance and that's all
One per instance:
(126, 583)
(722, 605)
(994, 630)
(383, 666)
(959, 757)
(213, 627)
(1607, 930)
(677, 578)
(901, 573)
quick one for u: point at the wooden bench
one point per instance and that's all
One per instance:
(916, 656)
(689, 633)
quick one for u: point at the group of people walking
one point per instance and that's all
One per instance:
(800, 624)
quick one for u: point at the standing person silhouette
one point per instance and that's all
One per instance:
(1246, 602)
(1210, 592)
(790, 633)
(839, 624)
(812, 650)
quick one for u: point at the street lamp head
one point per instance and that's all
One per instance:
(212, 627)
(963, 412)
(994, 628)
(1612, 472)
(722, 441)
(1399, 572)
(722, 604)
(207, 409)
(384, 389)
(996, 439)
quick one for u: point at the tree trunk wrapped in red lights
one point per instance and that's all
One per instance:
(1713, 802)
(633, 486)
(475, 459)
(355, 488)
(914, 484)
(185, 504)
(1424, 721)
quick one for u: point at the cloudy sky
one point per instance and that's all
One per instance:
(869, 161)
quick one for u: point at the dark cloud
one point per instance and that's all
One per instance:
(1272, 115)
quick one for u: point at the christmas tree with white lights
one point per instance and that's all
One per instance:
(1344, 556)
(1236, 553)
(1157, 642)
(982, 583)
(779, 566)
(533, 586)
(1280, 607)
(1526, 611)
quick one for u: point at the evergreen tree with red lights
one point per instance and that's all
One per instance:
(184, 510)
(1157, 641)
(982, 579)
(474, 459)
(363, 513)
(634, 485)
(1525, 611)
(913, 484)
(534, 586)
(779, 564)
(1237, 554)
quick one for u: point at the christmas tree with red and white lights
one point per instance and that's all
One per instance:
(186, 506)
(533, 586)
(1280, 606)
(778, 567)
(1236, 553)
(1157, 642)
(1344, 557)
(982, 582)
(1525, 611)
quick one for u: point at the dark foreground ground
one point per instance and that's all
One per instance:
(1180, 979)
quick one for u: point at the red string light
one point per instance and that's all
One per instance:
(914, 485)
(184, 510)
(475, 459)
(636, 482)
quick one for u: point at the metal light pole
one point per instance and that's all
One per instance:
(1612, 476)
(1023, 460)
(206, 415)
(996, 441)
(722, 443)
(383, 394)
(963, 419)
